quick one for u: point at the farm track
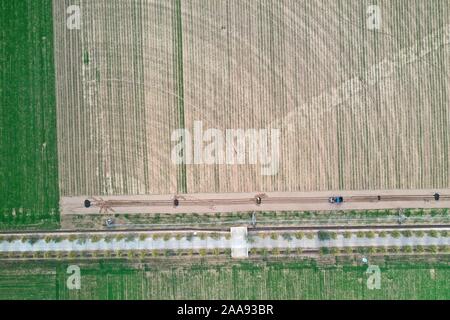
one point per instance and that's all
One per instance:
(209, 202)
(256, 202)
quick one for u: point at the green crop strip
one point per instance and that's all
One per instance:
(257, 280)
(29, 192)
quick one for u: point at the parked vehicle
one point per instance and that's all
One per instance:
(109, 222)
(337, 199)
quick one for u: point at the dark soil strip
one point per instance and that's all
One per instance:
(178, 72)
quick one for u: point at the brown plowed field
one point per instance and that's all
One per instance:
(139, 69)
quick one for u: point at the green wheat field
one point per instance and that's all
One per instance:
(261, 280)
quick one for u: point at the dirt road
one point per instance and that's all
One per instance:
(269, 201)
